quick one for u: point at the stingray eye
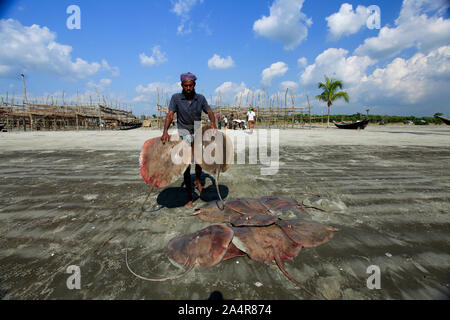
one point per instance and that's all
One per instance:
(248, 218)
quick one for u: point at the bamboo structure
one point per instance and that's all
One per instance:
(35, 116)
(270, 111)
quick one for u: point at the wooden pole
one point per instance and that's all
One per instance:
(24, 88)
(293, 110)
(309, 106)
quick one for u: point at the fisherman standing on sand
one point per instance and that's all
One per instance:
(189, 106)
(251, 118)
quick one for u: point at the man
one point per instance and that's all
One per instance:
(219, 121)
(189, 106)
(230, 122)
(225, 122)
(251, 118)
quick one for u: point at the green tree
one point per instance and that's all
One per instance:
(329, 94)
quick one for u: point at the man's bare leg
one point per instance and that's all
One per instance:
(198, 174)
(187, 182)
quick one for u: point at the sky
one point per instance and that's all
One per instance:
(392, 56)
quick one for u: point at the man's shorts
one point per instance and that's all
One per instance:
(189, 139)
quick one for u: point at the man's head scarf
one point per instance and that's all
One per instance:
(187, 77)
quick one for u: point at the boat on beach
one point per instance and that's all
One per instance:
(360, 124)
(445, 120)
(130, 126)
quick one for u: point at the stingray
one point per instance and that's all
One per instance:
(160, 163)
(278, 242)
(271, 243)
(307, 233)
(239, 212)
(249, 212)
(277, 203)
(204, 248)
(216, 153)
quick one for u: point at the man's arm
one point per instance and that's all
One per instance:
(212, 118)
(169, 119)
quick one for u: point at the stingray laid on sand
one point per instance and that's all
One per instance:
(261, 240)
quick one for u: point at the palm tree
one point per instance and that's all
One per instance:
(329, 94)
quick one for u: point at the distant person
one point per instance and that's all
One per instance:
(189, 106)
(219, 121)
(225, 121)
(230, 122)
(251, 115)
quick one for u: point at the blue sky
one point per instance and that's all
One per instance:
(126, 49)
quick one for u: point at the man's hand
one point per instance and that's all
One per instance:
(165, 137)
(214, 129)
(212, 119)
(167, 123)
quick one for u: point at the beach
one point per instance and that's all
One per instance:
(73, 198)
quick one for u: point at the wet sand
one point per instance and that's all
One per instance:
(74, 198)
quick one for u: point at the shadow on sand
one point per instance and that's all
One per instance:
(175, 197)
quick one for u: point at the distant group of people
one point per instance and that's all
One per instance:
(232, 123)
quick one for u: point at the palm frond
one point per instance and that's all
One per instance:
(341, 94)
(329, 88)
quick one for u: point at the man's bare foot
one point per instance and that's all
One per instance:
(199, 186)
(188, 205)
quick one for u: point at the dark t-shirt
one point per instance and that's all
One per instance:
(187, 112)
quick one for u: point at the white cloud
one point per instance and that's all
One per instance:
(182, 8)
(346, 21)
(26, 49)
(217, 62)
(286, 23)
(155, 59)
(233, 93)
(151, 90)
(420, 79)
(335, 63)
(413, 28)
(101, 85)
(276, 70)
(416, 83)
(115, 72)
(228, 91)
(302, 62)
(291, 85)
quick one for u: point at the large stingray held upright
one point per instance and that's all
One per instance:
(161, 163)
(215, 152)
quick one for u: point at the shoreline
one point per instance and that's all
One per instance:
(434, 136)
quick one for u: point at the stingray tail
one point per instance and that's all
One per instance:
(280, 265)
(156, 280)
(301, 207)
(289, 236)
(148, 195)
(222, 203)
